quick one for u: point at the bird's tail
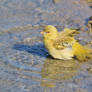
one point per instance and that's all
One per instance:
(82, 53)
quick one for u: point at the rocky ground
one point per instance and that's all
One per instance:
(24, 62)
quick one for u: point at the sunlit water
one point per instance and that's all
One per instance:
(25, 65)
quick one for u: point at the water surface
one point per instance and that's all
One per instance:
(24, 62)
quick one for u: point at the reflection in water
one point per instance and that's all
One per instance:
(47, 83)
(57, 70)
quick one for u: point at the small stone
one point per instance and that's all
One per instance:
(90, 69)
(56, 1)
(27, 40)
(81, 90)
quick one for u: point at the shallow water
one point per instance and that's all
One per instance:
(24, 62)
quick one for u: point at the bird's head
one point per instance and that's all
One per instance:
(49, 32)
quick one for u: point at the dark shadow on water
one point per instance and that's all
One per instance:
(36, 49)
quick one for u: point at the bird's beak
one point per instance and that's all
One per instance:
(42, 33)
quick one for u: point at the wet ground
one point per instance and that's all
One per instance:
(24, 62)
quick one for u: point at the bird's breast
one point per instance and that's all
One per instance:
(57, 53)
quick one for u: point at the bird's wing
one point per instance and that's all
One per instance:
(63, 43)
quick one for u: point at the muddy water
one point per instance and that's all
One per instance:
(24, 62)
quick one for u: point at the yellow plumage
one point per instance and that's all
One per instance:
(82, 53)
(62, 45)
(69, 32)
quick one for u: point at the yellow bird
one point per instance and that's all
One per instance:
(69, 32)
(62, 45)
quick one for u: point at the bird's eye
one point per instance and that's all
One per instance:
(47, 32)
